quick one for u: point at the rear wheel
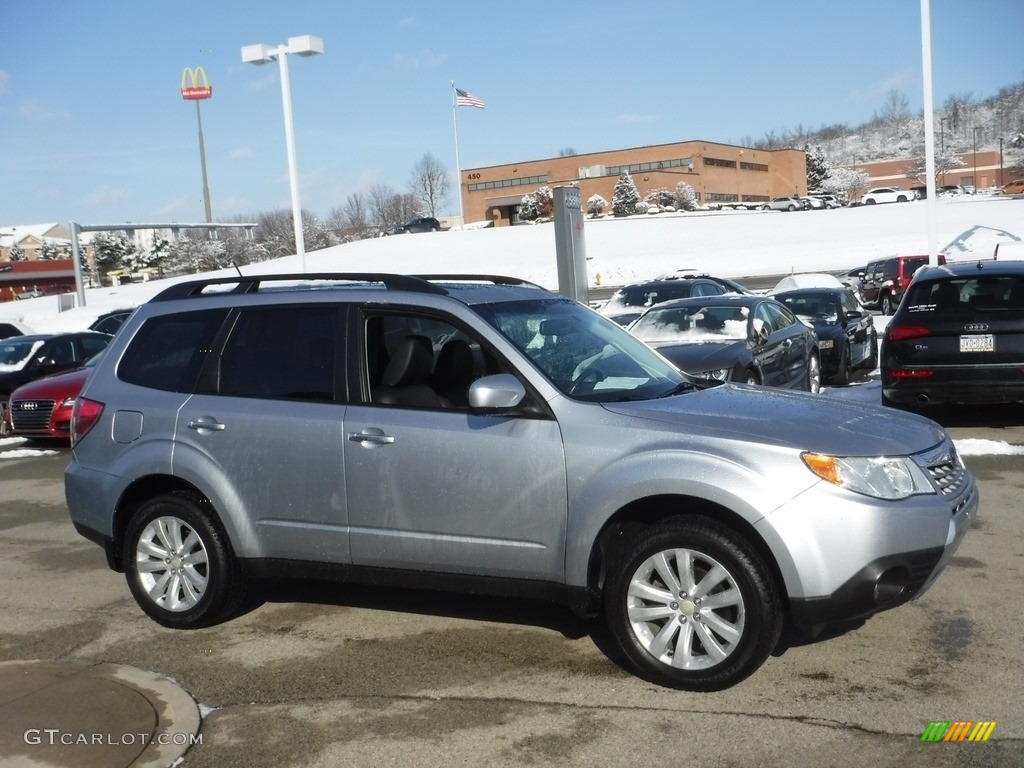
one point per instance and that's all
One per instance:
(888, 306)
(872, 361)
(751, 377)
(691, 605)
(179, 565)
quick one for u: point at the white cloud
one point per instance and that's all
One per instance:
(896, 81)
(268, 80)
(632, 118)
(179, 206)
(105, 196)
(242, 153)
(423, 59)
(36, 112)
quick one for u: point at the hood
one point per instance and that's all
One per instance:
(702, 356)
(786, 418)
(824, 328)
(53, 387)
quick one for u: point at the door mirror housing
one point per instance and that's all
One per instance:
(497, 392)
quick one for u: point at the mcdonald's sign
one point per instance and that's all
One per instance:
(195, 85)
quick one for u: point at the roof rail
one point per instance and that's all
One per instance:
(495, 279)
(251, 283)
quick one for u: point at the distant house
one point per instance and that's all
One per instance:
(35, 260)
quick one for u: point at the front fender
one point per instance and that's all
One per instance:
(727, 481)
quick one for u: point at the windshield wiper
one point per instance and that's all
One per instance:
(678, 389)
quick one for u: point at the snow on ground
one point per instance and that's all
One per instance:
(727, 244)
(723, 243)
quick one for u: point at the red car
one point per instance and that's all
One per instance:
(41, 409)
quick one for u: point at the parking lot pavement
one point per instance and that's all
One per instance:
(325, 675)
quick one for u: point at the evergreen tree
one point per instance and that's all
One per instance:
(109, 250)
(685, 197)
(817, 167)
(528, 210)
(626, 196)
(17, 254)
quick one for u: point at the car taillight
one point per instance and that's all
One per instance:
(84, 416)
(900, 332)
(919, 373)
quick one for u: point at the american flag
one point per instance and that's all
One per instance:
(467, 99)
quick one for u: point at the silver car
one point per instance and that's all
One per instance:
(485, 434)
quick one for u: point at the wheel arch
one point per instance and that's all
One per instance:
(150, 487)
(642, 514)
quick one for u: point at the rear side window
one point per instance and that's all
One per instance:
(168, 352)
(92, 345)
(285, 353)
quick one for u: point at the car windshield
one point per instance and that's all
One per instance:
(585, 355)
(15, 353)
(693, 325)
(644, 296)
(814, 306)
(968, 296)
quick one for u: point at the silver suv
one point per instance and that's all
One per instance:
(481, 433)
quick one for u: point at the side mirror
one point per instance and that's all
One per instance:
(761, 331)
(500, 391)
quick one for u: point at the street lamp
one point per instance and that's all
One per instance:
(975, 180)
(1000, 161)
(303, 45)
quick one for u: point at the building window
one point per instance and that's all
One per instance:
(654, 165)
(515, 182)
(722, 197)
(753, 167)
(756, 198)
(719, 163)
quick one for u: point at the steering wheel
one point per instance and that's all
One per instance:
(587, 379)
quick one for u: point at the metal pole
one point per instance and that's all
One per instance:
(929, 132)
(293, 172)
(76, 256)
(202, 162)
(458, 170)
(975, 180)
(1000, 161)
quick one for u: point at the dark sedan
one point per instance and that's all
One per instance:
(957, 337)
(27, 358)
(753, 339)
(846, 331)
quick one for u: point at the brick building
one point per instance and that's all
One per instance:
(718, 173)
(981, 170)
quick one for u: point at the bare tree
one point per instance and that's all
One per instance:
(430, 183)
(351, 221)
(567, 152)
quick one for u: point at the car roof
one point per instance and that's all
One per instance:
(989, 267)
(812, 290)
(741, 299)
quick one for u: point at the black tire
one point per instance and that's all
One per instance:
(812, 382)
(886, 304)
(843, 373)
(870, 201)
(723, 644)
(195, 585)
(872, 361)
(791, 208)
(750, 377)
(901, 199)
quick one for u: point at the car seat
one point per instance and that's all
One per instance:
(404, 381)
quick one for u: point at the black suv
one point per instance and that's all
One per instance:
(885, 281)
(424, 224)
(631, 301)
(957, 337)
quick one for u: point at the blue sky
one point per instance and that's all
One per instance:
(93, 127)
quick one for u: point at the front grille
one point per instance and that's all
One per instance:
(945, 469)
(31, 414)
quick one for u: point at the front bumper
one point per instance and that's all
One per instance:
(848, 558)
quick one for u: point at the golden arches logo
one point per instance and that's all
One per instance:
(200, 87)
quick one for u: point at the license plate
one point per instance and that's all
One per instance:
(981, 342)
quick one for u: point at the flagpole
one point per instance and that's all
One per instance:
(458, 169)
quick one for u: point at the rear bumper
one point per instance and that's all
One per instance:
(955, 385)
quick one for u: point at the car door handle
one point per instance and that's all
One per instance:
(374, 437)
(214, 426)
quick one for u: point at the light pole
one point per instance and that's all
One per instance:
(303, 45)
(1000, 161)
(975, 179)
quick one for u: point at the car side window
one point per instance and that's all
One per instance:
(422, 361)
(168, 352)
(761, 313)
(781, 317)
(92, 346)
(284, 353)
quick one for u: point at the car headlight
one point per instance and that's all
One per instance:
(722, 374)
(825, 343)
(882, 477)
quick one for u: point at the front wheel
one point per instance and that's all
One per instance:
(813, 383)
(178, 564)
(691, 605)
